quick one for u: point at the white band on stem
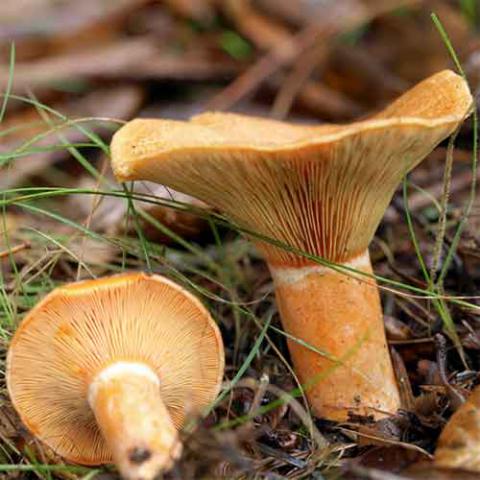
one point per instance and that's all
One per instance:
(120, 369)
(291, 275)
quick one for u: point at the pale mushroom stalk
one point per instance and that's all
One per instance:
(314, 302)
(108, 370)
(322, 190)
(125, 398)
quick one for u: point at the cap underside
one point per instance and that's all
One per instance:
(322, 190)
(78, 330)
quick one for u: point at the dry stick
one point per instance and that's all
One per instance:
(16, 249)
(266, 34)
(283, 54)
(305, 66)
(266, 66)
(286, 52)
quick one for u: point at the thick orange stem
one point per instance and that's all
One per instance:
(339, 314)
(135, 423)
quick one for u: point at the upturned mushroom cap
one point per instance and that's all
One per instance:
(321, 189)
(79, 329)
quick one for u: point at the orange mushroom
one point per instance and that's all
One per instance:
(322, 190)
(108, 369)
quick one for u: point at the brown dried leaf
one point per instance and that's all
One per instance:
(459, 442)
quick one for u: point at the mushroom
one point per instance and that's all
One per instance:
(108, 369)
(320, 190)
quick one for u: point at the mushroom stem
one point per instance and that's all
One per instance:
(355, 374)
(126, 400)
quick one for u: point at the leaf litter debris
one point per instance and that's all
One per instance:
(83, 68)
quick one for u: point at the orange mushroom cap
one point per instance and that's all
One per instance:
(321, 189)
(81, 329)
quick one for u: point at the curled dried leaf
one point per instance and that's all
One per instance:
(459, 443)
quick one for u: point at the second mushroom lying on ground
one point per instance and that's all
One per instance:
(322, 190)
(108, 369)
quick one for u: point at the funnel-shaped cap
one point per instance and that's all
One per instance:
(320, 189)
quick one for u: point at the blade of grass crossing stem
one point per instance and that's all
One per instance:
(325, 354)
(48, 192)
(8, 89)
(296, 392)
